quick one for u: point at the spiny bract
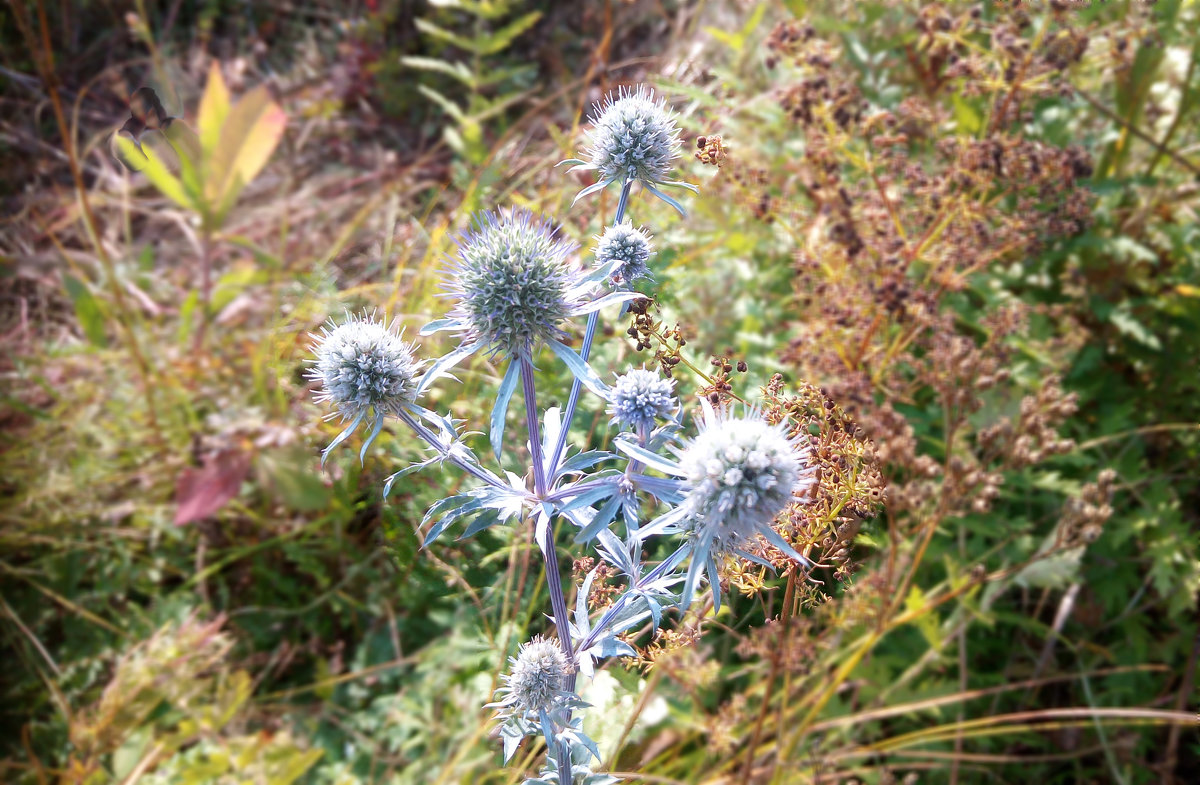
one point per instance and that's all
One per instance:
(627, 250)
(740, 472)
(364, 365)
(633, 137)
(639, 397)
(514, 285)
(539, 676)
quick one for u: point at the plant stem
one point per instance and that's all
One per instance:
(558, 602)
(585, 351)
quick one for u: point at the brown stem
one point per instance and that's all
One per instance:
(43, 56)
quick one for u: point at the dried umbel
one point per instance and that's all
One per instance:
(626, 252)
(639, 398)
(513, 283)
(364, 367)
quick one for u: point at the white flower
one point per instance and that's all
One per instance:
(513, 283)
(633, 137)
(538, 680)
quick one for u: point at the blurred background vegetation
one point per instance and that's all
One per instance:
(972, 228)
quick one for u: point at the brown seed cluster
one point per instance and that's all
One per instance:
(648, 332)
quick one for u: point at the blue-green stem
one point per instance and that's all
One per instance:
(558, 602)
(585, 351)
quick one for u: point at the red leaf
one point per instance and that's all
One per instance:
(201, 492)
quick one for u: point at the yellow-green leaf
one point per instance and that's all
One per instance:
(214, 108)
(156, 171)
(926, 620)
(249, 136)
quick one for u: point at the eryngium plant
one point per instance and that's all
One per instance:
(714, 495)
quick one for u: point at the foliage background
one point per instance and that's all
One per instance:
(291, 630)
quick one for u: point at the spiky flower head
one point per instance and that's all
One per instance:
(539, 676)
(639, 397)
(513, 282)
(363, 366)
(633, 137)
(740, 473)
(626, 250)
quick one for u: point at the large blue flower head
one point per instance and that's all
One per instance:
(513, 283)
(633, 137)
(639, 398)
(626, 252)
(739, 474)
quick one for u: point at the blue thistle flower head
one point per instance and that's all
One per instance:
(633, 137)
(513, 283)
(739, 474)
(625, 252)
(638, 398)
(537, 681)
(363, 365)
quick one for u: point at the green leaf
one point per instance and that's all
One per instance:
(497, 42)
(156, 171)
(87, 310)
(448, 106)
(455, 70)
(968, 119)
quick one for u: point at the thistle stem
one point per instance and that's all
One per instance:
(585, 351)
(558, 601)
(444, 449)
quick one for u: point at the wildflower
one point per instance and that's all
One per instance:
(538, 681)
(513, 283)
(514, 289)
(364, 367)
(633, 137)
(739, 473)
(639, 397)
(624, 252)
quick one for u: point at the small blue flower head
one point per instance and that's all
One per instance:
(363, 367)
(633, 137)
(626, 252)
(638, 398)
(513, 283)
(538, 680)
